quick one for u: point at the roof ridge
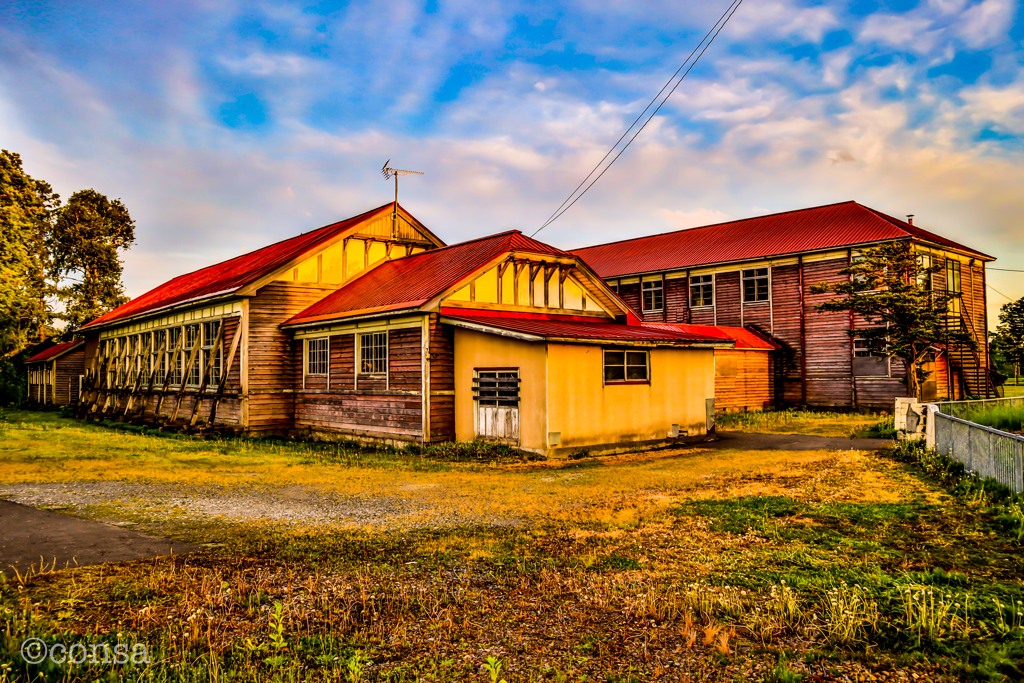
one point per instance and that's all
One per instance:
(457, 244)
(715, 225)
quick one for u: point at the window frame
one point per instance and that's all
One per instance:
(754, 278)
(625, 350)
(881, 361)
(197, 365)
(709, 284)
(657, 289)
(954, 273)
(325, 360)
(360, 359)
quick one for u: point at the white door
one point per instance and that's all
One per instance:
(496, 393)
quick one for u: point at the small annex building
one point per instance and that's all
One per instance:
(509, 339)
(55, 374)
(373, 328)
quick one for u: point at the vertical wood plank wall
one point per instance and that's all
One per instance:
(272, 364)
(442, 381)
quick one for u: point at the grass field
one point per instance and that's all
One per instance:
(1011, 389)
(687, 565)
(816, 423)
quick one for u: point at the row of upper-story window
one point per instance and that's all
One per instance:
(756, 286)
(155, 355)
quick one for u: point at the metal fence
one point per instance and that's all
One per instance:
(985, 451)
(961, 408)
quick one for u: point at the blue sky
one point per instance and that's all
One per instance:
(227, 125)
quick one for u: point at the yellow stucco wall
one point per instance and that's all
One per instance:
(562, 390)
(588, 412)
(479, 350)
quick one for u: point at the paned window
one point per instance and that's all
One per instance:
(210, 331)
(702, 291)
(316, 356)
(924, 278)
(132, 359)
(160, 356)
(175, 362)
(499, 388)
(953, 276)
(867, 364)
(191, 340)
(626, 366)
(373, 353)
(755, 285)
(653, 296)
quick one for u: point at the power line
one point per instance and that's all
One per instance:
(1006, 270)
(574, 197)
(998, 292)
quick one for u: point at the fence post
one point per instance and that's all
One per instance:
(1018, 467)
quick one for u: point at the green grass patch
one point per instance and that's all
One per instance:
(809, 422)
(1005, 418)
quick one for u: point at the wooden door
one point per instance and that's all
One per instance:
(496, 394)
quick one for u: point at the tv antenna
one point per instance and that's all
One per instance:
(388, 172)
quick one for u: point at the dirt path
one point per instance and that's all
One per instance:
(29, 537)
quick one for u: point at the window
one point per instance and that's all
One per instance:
(865, 363)
(625, 366)
(210, 332)
(191, 341)
(924, 278)
(373, 353)
(653, 296)
(160, 356)
(952, 276)
(755, 285)
(702, 291)
(498, 388)
(175, 362)
(316, 356)
(132, 359)
(123, 357)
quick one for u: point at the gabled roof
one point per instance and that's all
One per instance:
(791, 232)
(55, 351)
(411, 281)
(568, 328)
(231, 275)
(745, 339)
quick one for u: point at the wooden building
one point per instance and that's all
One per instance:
(372, 328)
(206, 347)
(55, 374)
(501, 338)
(757, 273)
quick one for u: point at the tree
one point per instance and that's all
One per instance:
(889, 287)
(1008, 340)
(27, 207)
(85, 240)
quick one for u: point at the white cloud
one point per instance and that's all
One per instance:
(986, 23)
(681, 219)
(258, 63)
(773, 18)
(1002, 107)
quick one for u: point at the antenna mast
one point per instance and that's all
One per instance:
(388, 172)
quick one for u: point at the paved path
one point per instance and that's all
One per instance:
(794, 442)
(26, 534)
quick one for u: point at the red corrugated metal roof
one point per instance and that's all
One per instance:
(822, 227)
(553, 327)
(235, 273)
(54, 351)
(744, 338)
(411, 281)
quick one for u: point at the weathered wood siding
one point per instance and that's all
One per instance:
(829, 368)
(677, 300)
(786, 326)
(442, 381)
(631, 295)
(743, 380)
(394, 413)
(727, 299)
(69, 368)
(274, 365)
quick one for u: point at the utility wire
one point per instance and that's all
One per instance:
(574, 197)
(998, 292)
(1006, 270)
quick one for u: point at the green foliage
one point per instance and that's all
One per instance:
(781, 673)
(888, 286)
(1006, 418)
(1008, 340)
(85, 240)
(27, 206)
(466, 451)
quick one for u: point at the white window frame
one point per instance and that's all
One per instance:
(709, 283)
(767, 277)
(311, 345)
(654, 286)
(359, 354)
(197, 363)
